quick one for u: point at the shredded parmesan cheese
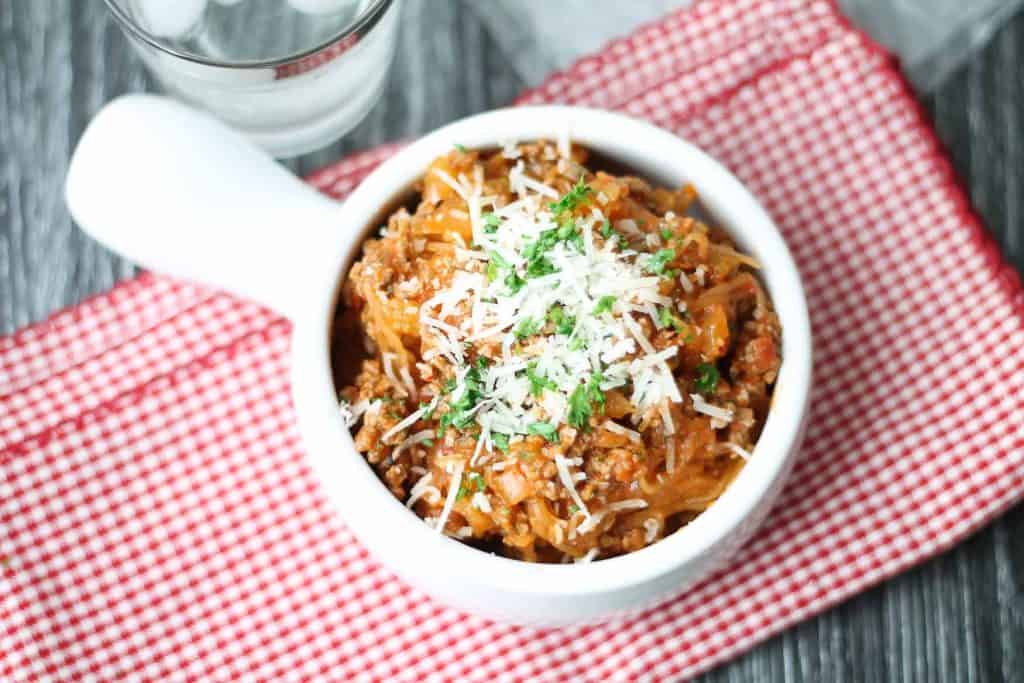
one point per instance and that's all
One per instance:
(738, 450)
(629, 504)
(567, 482)
(422, 489)
(449, 501)
(418, 437)
(481, 503)
(651, 530)
(624, 431)
(702, 406)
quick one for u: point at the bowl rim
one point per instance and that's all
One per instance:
(398, 536)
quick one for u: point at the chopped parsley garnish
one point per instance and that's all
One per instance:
(498, 260)
(514, 282)
(501, 441)
(594, 392)
(707, 378)
(477, 480)
(576, 344)
(491, 223)
(606, 229)
(495, 265)
(545, 241)
(545, 429)
(564, 323)
(527, 327)
(539, 267)
(666, 318)
(604, 304)
(460, 148)
(583, 400)
(568, 233)
(656, 264)
(463, 491)
(571, 199)
(460, 413)
(538, 383)
(573, 508)
(666, 234)
(537, 263)
(429, 411)
(428, 442)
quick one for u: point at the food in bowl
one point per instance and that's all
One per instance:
(563, 364)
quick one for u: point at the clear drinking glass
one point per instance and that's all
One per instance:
(293, 75)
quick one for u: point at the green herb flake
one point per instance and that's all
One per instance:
(571, 199)
(594, 392)
(579, 407)
(499, 260)
(666, 234)
(666, 318)
(538, 383)
(563, 322)
(583, 400)
(477, 480)
(428, 411)
(604, 304)
(514, 282)
(459, 413)
(707, 378)
(540, 267)
(573, 508)
(501, 441)
(577, 344)
(606, 229)
(656, 264)
(527, 327)
(491, 223)
(460, 148)
(429, 443)
(545, 429)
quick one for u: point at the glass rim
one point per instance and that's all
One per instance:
(359, 27)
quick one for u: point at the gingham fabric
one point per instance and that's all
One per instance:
(158, 521)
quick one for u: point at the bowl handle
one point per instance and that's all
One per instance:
(177, 191)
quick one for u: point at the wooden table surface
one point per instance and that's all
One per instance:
(959, 617)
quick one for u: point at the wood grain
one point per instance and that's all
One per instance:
(959, 617)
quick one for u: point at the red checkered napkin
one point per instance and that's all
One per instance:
(158, 520)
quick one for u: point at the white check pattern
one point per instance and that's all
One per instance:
(158, 521)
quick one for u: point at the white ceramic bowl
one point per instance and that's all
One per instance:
(272, 239)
